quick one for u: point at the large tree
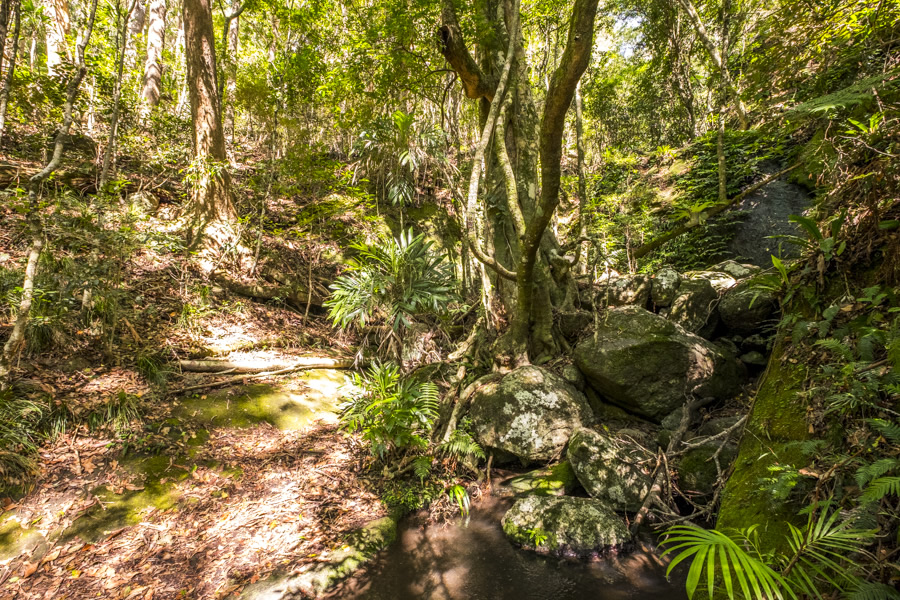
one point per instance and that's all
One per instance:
(531, 273)
(156, 39)
(210, 210)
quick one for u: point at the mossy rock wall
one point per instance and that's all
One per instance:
(777, 420)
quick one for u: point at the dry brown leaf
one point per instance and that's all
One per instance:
(51, 556)
(29, 569)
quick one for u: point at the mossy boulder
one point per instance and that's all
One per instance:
(614, 470)
(694, 307)
(648, 365)
(626, 290)
(747, 309)
(664, 287)
(557, 480)
(565, 525)
(529, 413)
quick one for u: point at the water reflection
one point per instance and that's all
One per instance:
(474, 561)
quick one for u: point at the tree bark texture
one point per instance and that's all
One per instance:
(156, 40)
(11, 68)
(57, 31)
(232, 41)
(210, 211)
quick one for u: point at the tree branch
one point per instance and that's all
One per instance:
(652, 245)
(453, 47)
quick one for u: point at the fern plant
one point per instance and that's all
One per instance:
(392, 282)
(393, 413)
(819, 559)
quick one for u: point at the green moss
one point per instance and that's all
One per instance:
(557, 480)
(264, 403)
(15, 539)
(778, 419)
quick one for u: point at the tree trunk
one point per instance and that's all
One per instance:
(156, 39)
(4, 29)
(520, 233)
(232, 40)
(10, 69)
(57, 30)
(210, 211)
(581, 225)
(135, 29)
(110, 150)
(717, 59)
(16, 338)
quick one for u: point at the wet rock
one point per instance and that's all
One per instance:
(664, 287)
(746, 308)
(649, 366)
(694, 307)
(530, 414)
(611, 469)
(754, 358)
(627, 290)
(565, 525)
(557, 480)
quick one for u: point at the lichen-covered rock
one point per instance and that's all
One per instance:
(736, 269)
(571, 374)
(649, 366)
(529, 413)
(719, 280)
(610, 469)
(565, 525)
(557, 480)
(573, 324)
(694, 307)
(664, 287)
(625, 290)
(746, 308)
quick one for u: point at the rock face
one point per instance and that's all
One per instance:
(557, 480)
(648, 365)
(580, 526)
(745, 308)
(530, 414)
(610, 469)
(697, 471)
(694, 307)
(625, 290)
(664, 287)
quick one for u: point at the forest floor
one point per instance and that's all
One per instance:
(215, 498)
(173, 495)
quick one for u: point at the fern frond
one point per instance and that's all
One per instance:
(422, 466)
(890, 431)
(867, 473)
(460, 444)
(870, 590)
(881, 487)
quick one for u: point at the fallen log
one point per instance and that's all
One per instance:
(258, 366)
(296, 296)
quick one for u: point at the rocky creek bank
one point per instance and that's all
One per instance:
(606, 429)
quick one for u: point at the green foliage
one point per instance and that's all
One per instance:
(392, 282)
(462, 444)
(537, 536)
(458, 494)
(393, 413)
(819, 559)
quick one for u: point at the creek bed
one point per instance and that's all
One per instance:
(472, 560)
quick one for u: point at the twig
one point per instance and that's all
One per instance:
(241, 378)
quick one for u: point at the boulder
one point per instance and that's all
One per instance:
(143, 202)
(649, 366)
(614, 470)
(754, 359)
(694, 307)
(529, 413)
(719, 280)
(625, 290)
(573, 324)
(664, 287)
(565, 525)
(746, 308)
(736, 269)
(571, 374)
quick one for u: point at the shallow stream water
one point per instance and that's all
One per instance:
(473, 560)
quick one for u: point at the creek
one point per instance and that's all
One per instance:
(472, 559)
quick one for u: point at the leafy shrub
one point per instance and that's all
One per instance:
(392, 282)
(394, 414)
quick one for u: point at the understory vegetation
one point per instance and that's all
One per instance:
(197, 199)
